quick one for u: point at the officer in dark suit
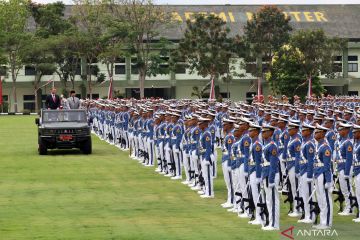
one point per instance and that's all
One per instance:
(52, 100)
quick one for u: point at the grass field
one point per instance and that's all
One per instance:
(107, 195)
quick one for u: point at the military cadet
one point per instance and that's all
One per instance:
(157, 123)
(213, 128)
(205, 155)
(356, 166)
(194, 155)
(255, 170)
(344, 164)
(150, 138)
(176, 137)
(228, 126)
(293, 158)
(306, 171)
(167, 146)
(125, 126)
(186, 149)
(270, 177)
(161, 142)
(282, 148)
(244, 152)
(323, 178)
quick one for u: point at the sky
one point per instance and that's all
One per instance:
(235, 2)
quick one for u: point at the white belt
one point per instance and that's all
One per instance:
(318, 164)
(356, 164)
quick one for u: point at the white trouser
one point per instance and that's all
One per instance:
(126, 137)
(357, 187)
(242, 184)
(177, 159)
(150, 150)
(292, 179)
(324, 198)
(162, 155)
(214, 163)
(235, 173)
(346, 190)
(167, 155)
(305, 190)
(157, 155)
(186, 164)
(207, 174)
(255, 191)
(273, 202)
(228, 182)
(194, 161)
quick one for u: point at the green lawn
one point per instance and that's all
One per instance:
(107, 195)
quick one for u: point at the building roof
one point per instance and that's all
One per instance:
(336, 20)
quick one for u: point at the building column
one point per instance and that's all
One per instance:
(345, 62)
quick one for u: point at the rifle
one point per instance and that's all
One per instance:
(314, 207)
(354, 204)
(300, 206)
(288, 193)
(264, 213)
(251, 203)
(340, 196)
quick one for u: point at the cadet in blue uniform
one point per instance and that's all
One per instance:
(306, 166)
(255, 170)
(205, 150)
(226, 162)
(292, 162)
(356, 165)
(344, 164)
(270, 178)
(323, 178)
(176, 137)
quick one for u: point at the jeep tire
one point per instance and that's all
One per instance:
(42, 148)
(86, 147)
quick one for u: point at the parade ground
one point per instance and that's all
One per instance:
(107, 195)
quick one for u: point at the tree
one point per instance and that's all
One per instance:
(287, 75)
(318, 52)
(88, 17)
(145, 20)
(14, 37)
(267, 31)
(206, 47)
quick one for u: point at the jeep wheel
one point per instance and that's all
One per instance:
(42, 148)
(87, 148)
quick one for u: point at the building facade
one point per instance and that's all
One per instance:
(342, 21)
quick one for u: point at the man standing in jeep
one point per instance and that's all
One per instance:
(52, 100)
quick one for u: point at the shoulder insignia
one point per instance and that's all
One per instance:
(246, 143)
(333, 137)
(327, 153)
(207, 139)
(212, 131)
(229, 141)
(273, 152)
(196, 131)
(257, 148)
(178, 130)
(350, 149)
(298, 148)
(311, 150)
(285, 136)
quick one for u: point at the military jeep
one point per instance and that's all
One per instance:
(63, 129)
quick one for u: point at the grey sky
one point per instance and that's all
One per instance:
(235, 2)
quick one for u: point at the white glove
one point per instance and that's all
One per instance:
(271, 185)
(246, 174)
(309, 180)
(258, 180)
(346, 177)
(327, 185)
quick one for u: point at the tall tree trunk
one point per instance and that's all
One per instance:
(13, 75)
(142, 82)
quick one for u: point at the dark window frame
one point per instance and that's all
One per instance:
(353, 69)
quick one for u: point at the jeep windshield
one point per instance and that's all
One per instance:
(63, 116)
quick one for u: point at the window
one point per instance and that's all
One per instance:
(225, 95)
(29, 106)
(353, 93)
(338, 58)
(119, 69)
(352, 67)
(180, 68)
(250, 67)
(29, 97)
(337, 67)
(78, 95)
(78, 69)
(134, 69)
(94, 60)
(3, 70)
(94, 69)
(352, 58)
(5, 98)
(29, 71)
